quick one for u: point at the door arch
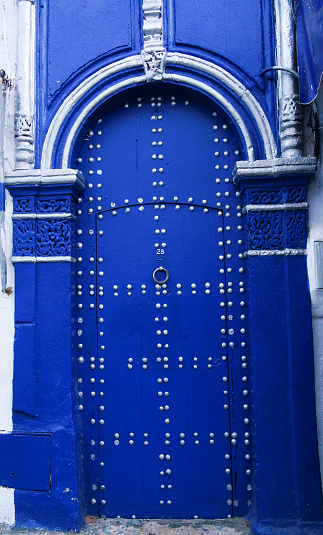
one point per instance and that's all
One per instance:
(158, 166)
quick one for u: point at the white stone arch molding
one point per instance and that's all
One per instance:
(185, 70)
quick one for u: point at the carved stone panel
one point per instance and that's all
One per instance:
(24, 237)
(276, 229)
(154, 63)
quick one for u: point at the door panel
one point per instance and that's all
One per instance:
(163, 372)
(162, 375)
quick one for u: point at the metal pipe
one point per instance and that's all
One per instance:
(290, 125)
(277, 68)
(24, 117)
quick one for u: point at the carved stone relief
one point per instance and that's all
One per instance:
(282, 195)
(154, 63)
(279, 229)
(24, 237)
(53, 237)
(34, 234)
(154, 53)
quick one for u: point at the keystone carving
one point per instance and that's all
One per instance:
(154, 63)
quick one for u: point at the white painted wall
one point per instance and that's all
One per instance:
(315, 199)
(8, 38)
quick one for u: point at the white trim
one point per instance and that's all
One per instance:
(172, 59)
(222, 100)
(102, 96)
(236, 87)
(45, 177)
(42, 259)
(272, 207)
(275, 252)
(72, 99)
(152, 28)
(54, 215)
(180, 79)
(275, 167)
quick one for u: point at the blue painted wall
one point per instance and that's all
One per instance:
(230, 30)
(53, 398)
(82, 33)
(76, 39)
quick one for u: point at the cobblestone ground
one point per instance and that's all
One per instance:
(121, 526)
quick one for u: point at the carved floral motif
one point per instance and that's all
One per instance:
(276, 229)
(24, 140)
(264, 197)
(296, 230)
(286, 194)
(54, 237)
(291, 109)
(24, 206)
(34, 235)
(24, 237)
(296, 194)
(265, 230)
(45, 206)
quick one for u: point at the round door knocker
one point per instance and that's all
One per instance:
(163, 270)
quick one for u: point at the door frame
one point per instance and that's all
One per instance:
(285, 347)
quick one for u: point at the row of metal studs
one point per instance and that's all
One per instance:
(166, 360)
(182, 442)
(91, 292)
(222, 304)
(161, 456)
(242, 303)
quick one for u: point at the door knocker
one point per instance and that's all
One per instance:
(163, 270)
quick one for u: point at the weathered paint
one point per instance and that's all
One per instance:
(7, 507)
(26, 461)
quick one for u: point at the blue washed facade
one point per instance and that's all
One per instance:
(163, 360)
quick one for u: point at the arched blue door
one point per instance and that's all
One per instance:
(162, 321)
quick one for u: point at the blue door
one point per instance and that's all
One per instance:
(161, 312)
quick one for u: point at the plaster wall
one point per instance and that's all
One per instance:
(8, 37)
(315, 267)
